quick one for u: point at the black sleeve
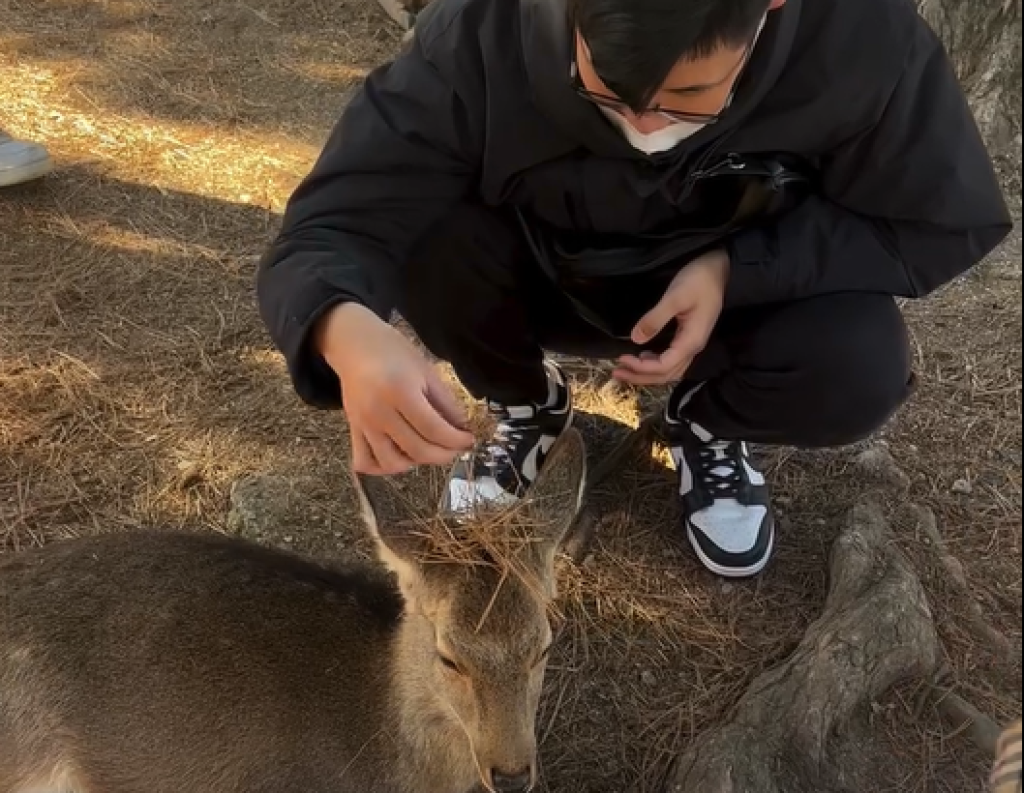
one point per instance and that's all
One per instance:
(903, 208)
(404, 151)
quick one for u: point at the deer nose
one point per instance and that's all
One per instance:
(520, 782)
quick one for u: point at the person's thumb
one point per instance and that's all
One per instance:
(652, 323)
(444, 400)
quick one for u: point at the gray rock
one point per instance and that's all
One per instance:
(260, 505)
(962, 486)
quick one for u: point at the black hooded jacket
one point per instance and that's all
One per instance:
(480, 107)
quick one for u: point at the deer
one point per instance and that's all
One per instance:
(1005, 775)
(173, 661)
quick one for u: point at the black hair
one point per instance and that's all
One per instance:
(634, 44)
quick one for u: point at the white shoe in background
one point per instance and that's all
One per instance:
(21, 161)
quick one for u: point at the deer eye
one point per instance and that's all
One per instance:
(449, 664)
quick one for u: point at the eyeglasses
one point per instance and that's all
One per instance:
(613, 103)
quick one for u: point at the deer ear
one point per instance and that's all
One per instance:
(553, 500)
(396, 519)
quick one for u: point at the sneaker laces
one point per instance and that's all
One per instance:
(721, 468)
(512, 424)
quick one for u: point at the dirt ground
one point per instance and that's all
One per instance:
(137, 385)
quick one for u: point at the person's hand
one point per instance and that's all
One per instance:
(694, 299)
(400, 412)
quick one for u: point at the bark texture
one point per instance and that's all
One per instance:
(983, 40)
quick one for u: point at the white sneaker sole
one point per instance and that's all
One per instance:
(28, 172)
(731, 572)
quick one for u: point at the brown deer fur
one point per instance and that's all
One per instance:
(170, 662)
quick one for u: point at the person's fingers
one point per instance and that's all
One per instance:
(692, 334)
(652, 323)
(414, 446)
(443, 399)
(390, 459)
(433, 425)
(692, 331)
(363, 461)
(667, 362)
(642, 379)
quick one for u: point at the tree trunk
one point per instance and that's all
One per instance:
(983, 40)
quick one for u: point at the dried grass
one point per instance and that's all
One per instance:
(137, 384)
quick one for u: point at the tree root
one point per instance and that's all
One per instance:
(955, 576)
(876, 630)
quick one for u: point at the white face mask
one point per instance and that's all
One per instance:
(652, 142)
(676, 132)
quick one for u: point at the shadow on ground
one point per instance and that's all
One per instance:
(136, 380)
(270, 65)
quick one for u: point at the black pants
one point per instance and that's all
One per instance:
(823, 371)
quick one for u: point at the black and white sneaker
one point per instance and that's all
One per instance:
(499, 472)
(725, 500)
